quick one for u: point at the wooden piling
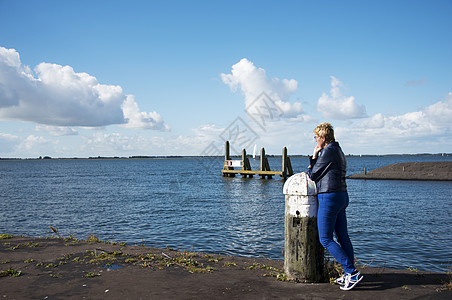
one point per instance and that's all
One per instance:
(286, 165)
(227, 157)
(246, 166)
(226, 151)
(265, 166)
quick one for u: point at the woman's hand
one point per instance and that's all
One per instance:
(320, 145)
(317, 149)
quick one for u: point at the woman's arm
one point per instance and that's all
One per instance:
(319, 166)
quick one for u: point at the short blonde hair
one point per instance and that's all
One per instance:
(326, 131)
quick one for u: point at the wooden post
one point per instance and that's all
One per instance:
(227, 157)
(244, 162)
(284, 163)
(303, 253)
(267, 166)
(264, 164)
(289, 167)
(243, 159)
(226, 151)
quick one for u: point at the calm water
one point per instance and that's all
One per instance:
(188, 205)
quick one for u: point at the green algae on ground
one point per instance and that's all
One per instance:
(91, 275)
(10, 272)
(4, 236)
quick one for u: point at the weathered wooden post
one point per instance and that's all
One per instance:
(227, 157)
(262, 161)
(226, 151)
(286, 165)
(243, 161)
(264, 166)
(245, 164)
(303, 253)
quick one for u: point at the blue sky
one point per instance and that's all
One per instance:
(123, 78)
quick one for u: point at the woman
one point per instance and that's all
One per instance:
(327, 169)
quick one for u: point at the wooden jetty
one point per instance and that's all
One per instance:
(245, 167)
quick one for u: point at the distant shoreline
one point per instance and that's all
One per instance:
(437, 171)
(210, 157)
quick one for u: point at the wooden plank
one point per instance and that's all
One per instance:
(252, 172)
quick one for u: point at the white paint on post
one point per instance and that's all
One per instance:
(300, 184)
(306, 206)
(301, 196)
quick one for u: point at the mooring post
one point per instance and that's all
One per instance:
(264, 164)
(284, 163)
(226, 151)
(303, 253)
(244, 162)
(227, 157)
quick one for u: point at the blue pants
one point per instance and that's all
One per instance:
(331, 218)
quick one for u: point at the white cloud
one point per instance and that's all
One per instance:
(338, 107)
(35, 146)
(141, 120)
(56, 130)
(433, 119)
(440, 113)
(376, 121)
(109, 144)
(413, 132)
(253, 81)
(119, 144)
(59, 96)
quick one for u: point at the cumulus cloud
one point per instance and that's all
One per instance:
(138, 119)
(433, 119)
(376, 121)
(440, 113)
(253, 82)
(56, 130)
(59, 96)
(338, 107)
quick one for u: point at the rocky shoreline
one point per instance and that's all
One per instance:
(65, 268)
(439, 171)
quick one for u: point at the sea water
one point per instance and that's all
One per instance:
(186, 204)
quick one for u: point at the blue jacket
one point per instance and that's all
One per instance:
(328, 169)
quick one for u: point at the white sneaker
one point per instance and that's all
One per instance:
(351, 281)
